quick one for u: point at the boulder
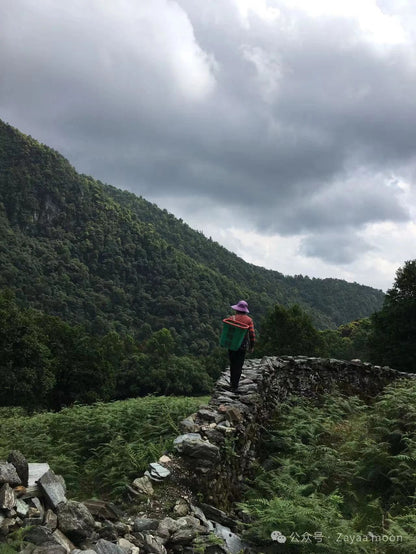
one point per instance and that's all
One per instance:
(143, 485)
(17, 459)
(53, 489)
(75, 520)
(192, 445)
(8, 474)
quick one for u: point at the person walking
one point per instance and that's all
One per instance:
(237, 357)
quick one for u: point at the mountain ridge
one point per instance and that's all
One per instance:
(97, 255)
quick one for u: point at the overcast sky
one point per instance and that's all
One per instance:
(283, 129)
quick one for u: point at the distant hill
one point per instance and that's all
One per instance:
(105, 258)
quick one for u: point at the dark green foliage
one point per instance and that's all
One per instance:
(47, 363)
(99, 448)
(339, 467)
(348, 342)
(393, 340)
(26, 363)
(288, 331)
(103, 258)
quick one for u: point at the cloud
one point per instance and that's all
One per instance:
(335, 248)
(298, 115)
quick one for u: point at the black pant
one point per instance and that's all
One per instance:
(237, 358)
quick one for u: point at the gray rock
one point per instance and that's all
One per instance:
(214, 436)
(62, 540)
(154, 545)
(7, 497)
(75, 520)
(39, 506)
(166, 527)
(51, 520)
(192, 445)
(22, 508)
(108, 532)
(184, 536)
(143, 485)
(107, 547)
(152, 477)
(188, 425)
(39, 535)
(126, 545)
(233, 541)
(217, 515)
(52, 487)
(17, 459)
(145, 524)
(158, 471)
(199, 514)
(181, 507)
(210, 415)
(8, 474)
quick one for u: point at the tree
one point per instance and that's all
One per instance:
(26, 363)
(288, 331)
(394, 326)
(349, 341)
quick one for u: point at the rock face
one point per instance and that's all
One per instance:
(213, 456)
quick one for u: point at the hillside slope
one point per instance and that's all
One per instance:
(93, 254)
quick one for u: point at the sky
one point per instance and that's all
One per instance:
(283, 129)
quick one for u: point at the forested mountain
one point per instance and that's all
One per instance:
(92, 254)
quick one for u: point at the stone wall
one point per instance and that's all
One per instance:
(219, 443)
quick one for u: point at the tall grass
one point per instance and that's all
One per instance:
(99, 448)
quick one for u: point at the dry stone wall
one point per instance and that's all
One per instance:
(219, 443)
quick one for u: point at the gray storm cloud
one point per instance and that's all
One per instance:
(300, 122)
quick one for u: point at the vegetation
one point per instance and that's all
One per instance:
(348, 342)
(47, 363)
(394, 326)
(98, 448)
(288, 331)
(338, 469)
(108, 260)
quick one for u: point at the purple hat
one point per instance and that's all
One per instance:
(242, 306)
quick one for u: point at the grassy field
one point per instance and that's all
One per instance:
(99, 448)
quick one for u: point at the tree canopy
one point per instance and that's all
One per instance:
(394, 326)
(289, 331)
